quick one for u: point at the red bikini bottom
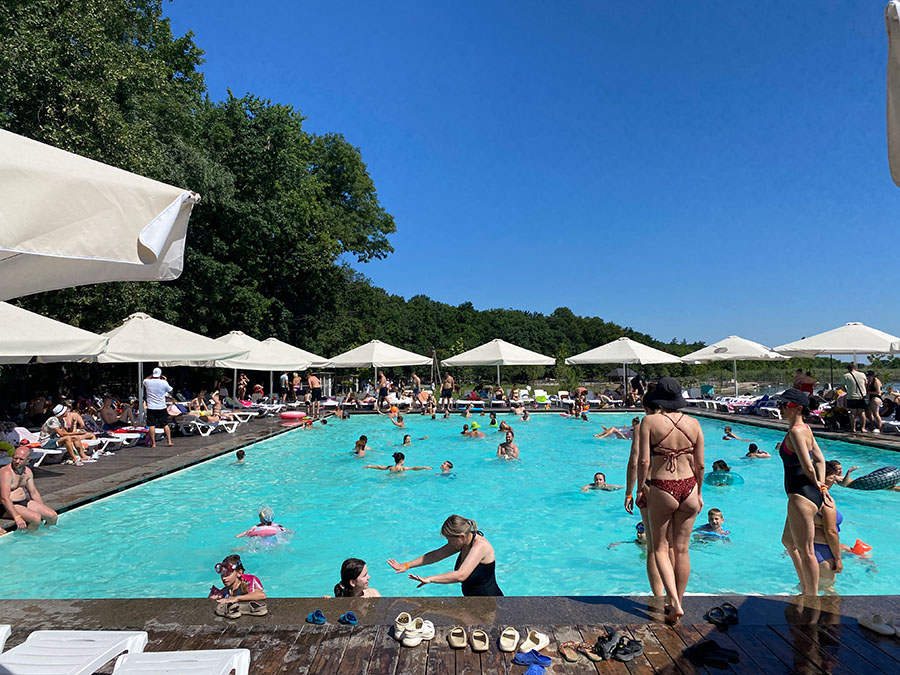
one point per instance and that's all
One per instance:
(679, 488)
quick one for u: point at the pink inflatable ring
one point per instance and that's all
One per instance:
(293, 415)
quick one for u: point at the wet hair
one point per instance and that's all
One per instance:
(364, 439)
(721, 465)
(635, 420)
(510, 431)
(351, 568)
(456, 526)
(449, 464)
(600, 473)
(407, 436)
(399, 418)
(398, 457)
(240, 454)
(727, 429)
(832, 468)
(715, 512)
(753, 447)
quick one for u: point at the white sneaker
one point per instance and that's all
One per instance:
(400, 624)
(419, 629)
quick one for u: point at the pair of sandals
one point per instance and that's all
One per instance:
(710, 653)
(616, 646)
(722, 616)
(235, 610)
(457, 639)
(318, 617)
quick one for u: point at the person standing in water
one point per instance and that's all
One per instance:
(475, 565)
(399, 459)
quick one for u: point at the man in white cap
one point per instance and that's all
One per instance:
(53, 435)
(155, 390)
(19, 495)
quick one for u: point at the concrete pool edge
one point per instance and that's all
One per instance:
(147, 613)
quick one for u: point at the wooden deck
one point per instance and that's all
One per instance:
(371, 650)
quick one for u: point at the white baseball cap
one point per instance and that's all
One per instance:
(157, 372)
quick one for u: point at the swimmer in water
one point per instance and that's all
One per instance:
(508, 449)
(640, 538)
(465, 431)
(354, 581)
(266, 518)
(754, 451)
(475, 433)
(240, 456)
(623, 433)
(446, 468)
(525, 416)
(712, 528)
(601, 484)
(504, 427)
(361, 447)
(493, 421)
(731, 436)
(468, 411)
(399, 459)
(407, 440)
(398, 422)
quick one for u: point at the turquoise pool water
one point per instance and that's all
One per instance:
(162, 538)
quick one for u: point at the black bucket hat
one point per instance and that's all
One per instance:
(667, 394)
(794, 396)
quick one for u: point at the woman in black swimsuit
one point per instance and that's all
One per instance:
(804, 475)
(474, 567)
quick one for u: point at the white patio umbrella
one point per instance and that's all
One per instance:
(291, 352)
(892, 23)
(852, 338)
(66, 220)
(624, 351)
(27, 335)
(499, 353)
(142, 338)
(377, 354)
(733, 348)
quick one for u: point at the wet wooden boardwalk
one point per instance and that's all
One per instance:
(372, 650)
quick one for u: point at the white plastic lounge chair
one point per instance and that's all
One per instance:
(199, 662)
(541, 397)
(67, 652)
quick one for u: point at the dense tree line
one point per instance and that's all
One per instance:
(281, 207)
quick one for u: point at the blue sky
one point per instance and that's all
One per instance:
(691, 170)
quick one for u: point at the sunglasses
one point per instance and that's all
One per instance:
(788, 404)
(225, 568)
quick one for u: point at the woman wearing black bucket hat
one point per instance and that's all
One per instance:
(804, 483)
(671, 467)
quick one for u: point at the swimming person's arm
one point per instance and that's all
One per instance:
(846, 480)
(429, 558)
(375, 466)
(417, 468)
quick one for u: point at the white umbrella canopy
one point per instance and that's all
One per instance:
(734, 348)
(378, 354)
(851, 338)
(624, 350)
(499, 353)
(291, 352)
(892, 23)
(29, 335)
(258, 355)
(66, 220)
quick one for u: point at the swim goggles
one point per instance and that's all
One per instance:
(639, 527)
(225, 568)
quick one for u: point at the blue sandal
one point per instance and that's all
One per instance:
(348, 618)
(316, 617)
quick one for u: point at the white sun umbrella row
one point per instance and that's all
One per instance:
(499, 353)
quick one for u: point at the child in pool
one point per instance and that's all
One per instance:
(266, 516)
(640, 537)
(713, 529)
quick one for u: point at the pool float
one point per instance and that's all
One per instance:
(293, 415)
(265, 531)
(860, 548)
(723, 478)
(881, 479)
(712, 535)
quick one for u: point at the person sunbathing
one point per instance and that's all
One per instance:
(113, 418)
(54, 434)
(399, 459)
(198, 403)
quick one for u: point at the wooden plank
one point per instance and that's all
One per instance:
(467, 661)
(863, 648)
(563, 634)
(674, 646)
(802, 643)
(784, 650)
(358, 652)
(829, 644)
(384, 656)
(412, 660)
(696, 633)
(758, 651)
(441, 658)
(551, 649)
(301, 654)
(327, 660)
(639, 665)
(493, 661)
(282, 638)
(886, 645)
(590, 634)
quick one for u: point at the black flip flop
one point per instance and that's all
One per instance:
(627, 649)
(605, 648)
(716, 616)
(731, 613)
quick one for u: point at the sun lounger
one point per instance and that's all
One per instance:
(190, 427)
(199, 662)
(67, 652)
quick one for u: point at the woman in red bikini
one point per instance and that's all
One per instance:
(671, 467)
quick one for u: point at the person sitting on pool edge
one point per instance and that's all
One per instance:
(731, 436)
(241, 593)
(354, 581)
(399, 459)
(601, 484)
(508, 449)
(475, 566)
(713, 527)
(754, 451)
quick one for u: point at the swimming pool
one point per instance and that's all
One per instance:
(161, 539)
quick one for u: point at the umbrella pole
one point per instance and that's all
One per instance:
(625, 380)
(140, 391)
(735, 378)
(234, 386)
(270, 385)
(831, 370)
(498, 374)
